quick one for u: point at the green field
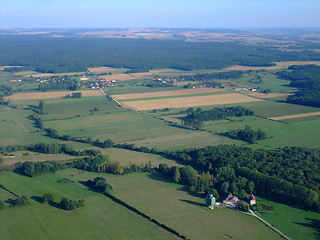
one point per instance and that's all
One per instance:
(169, 204)
(17, 128)
(101, 218)
(294, 222)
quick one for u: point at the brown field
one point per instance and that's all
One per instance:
(47, 95)
(125, 77)
(166, 93)
(269, 95)
(279, 65)
(101, 69)
(296, 116)
(190, 101)
(4, 67)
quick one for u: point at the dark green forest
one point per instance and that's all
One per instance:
(71, 54)
(307, 79)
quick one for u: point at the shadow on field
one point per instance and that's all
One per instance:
(37, 198)
(314, 224)
(159, 177)
(192, 202)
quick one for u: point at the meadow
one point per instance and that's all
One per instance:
(100, 218)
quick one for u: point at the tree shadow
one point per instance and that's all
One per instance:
(55, 204)
(10, 201)
(314, 224)
(159, 177)
(193, 202)
(37, 198)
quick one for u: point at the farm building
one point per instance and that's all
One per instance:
(252, 200)
(210, 201)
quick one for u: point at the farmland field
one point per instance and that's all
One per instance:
(190, 101)
(100, 218)
(166, 93)
(48, 95)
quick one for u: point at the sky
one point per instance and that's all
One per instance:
(159, 14)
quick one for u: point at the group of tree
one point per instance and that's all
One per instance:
(5, 90)
(101, 185)
(248, 134)
(74, 95)
(20, 201)
(195, 118)
(73, 54)
(68, 205)
(307, 79)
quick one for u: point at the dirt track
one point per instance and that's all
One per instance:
(47, 95)
(190, 101)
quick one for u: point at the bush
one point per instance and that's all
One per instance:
(47, 198)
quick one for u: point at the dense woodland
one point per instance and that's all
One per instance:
(208, 76)
(71, 54)
(307, 79)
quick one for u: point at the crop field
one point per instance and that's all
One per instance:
(100, 218)
(166, 202)
(190, 101)
(296, 116)
(48, 95)
(166, 93)
(269, 95)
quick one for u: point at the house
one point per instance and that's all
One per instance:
(231, 199)
(252, 199)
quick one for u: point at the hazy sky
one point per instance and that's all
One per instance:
(164, 13)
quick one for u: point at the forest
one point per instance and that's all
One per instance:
(72, 54)
(307, 79)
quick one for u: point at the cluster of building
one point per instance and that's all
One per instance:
(231, 200)
(246, 89)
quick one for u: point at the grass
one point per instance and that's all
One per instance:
(295, 223)
(101, 218)
(17, 128)
(169, 204)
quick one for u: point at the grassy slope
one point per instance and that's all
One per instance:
(99, 219)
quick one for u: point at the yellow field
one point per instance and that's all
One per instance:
(190, 101)
(296, 116)
(47, 95)
(166, 93)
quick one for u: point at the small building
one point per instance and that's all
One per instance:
(252, 199)
(210, 201)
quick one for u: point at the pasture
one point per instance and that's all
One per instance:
(17, 128)
(168, 203)
(100, 218)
